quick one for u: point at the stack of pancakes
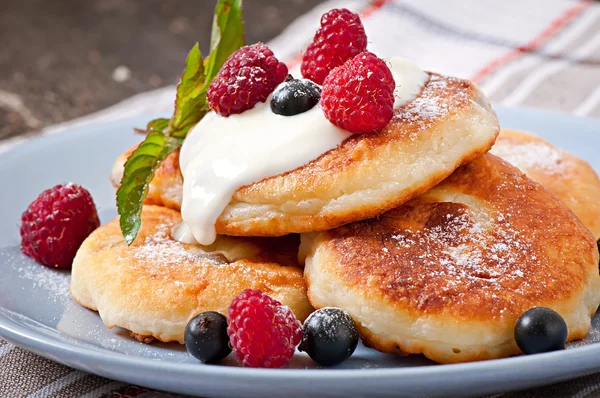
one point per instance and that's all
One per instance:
(432, 244)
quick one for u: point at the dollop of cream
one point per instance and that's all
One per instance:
(222, 154)
(409, 79)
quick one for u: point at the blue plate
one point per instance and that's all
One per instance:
(37, 313)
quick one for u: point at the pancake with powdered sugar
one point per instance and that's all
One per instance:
(155, 286)
(449, 273)
(569, 177)
(448, 124)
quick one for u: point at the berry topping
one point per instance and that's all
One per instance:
(263, 332)
(206, 337)
(540, 329)
(359, 95)
(341, 37)
(294, 97)
(247, 77)
(329, 336)
(56, 224)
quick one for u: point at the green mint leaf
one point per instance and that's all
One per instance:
(139, 171)
(190, 102)
(159, 124)
(227, 35)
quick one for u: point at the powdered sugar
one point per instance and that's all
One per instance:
(462, 251)
(431, 105)
(54, 281)
(161, 248)
(593, 337)
(330, 321)
(532, 155)
(429, 108)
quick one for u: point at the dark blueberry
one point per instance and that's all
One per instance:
(540, 329)
(295, 96)
(329, 336)
(206, 337)
(598, 244)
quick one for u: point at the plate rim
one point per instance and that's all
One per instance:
(23, 335)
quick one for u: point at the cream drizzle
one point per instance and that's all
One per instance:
(222, 154)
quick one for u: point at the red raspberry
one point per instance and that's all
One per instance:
(341, 37)
(263, 332)
(247, 77)
(359, 95)
(56, 223)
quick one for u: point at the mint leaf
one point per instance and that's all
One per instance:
(159, 124)
(139, 171)
(190, 102)
(227, 35)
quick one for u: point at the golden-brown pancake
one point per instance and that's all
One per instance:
(153, 287)
(448, 124)
(568, 176)
(449, 273)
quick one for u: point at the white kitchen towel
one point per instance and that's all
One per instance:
(535, 53)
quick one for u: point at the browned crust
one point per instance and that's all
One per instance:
(572, 179)
(142, 338)
(550, 265)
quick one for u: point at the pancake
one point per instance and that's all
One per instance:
(449, 273)
(153, 287)
(448, 124)
(569, 177)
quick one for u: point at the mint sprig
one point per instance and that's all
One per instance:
(159, 124)
(227, 33)
(140, 167)
(190, 102)
(166, 135)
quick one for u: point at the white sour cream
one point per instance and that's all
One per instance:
(222, 154)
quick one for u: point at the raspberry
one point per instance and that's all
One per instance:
(56, 223)
(247, 77)
(359, 95)
(263, 332)
(341, 37)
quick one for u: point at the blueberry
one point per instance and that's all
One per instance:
(295, 96)
(329, 336)
(540, 329)
(598, 244)
(206, 337)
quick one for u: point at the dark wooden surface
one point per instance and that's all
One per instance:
(58, 57)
